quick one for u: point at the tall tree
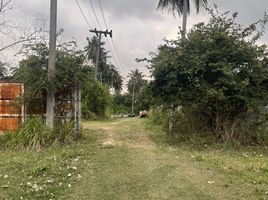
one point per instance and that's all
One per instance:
(182, 7)
(136, 81)
(92, 48)
(218, 77)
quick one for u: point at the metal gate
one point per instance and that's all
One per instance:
(11, 111)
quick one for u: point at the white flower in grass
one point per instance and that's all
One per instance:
(210, 182)
(69, 185)
(49, 181)
(5, 177)
(69, 175)
(29, 184)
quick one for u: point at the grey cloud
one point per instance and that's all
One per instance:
(138, 27)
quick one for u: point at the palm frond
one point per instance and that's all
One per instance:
(198, 4)
(171, 5)
(177, 5)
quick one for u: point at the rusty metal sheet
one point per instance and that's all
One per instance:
(9, 124)
(10, 90)
(10, 111)
(9, 107)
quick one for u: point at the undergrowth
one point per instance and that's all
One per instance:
(34, 135)
(191, 130)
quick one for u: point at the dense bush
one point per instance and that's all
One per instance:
(159, 116)
(122, 103)
(96, 100)
(218, 77)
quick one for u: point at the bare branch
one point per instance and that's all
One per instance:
(5, 5)
(29, 38)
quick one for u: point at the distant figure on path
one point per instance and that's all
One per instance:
(143, 114)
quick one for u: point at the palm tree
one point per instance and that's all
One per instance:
(91, 54)
(134, 85)
(182, 7)
(92, 48)
(136, 81)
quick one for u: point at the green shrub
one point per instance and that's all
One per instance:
(159, 116)
(96, 100)
(34, 135)
(63, 133)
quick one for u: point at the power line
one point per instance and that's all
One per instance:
(103, 15)
(83, 14)
(104, 20)
(95, 14)
(88, 10)
(114, 58)
(116, 53)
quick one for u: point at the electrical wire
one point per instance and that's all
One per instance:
(103, 17)
(121, 69)
(115, 50)
(88, 10)
(116, 53)
(83, 14)
(95, 14)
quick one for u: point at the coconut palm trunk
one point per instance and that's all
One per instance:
(184, 19)
(182, 7)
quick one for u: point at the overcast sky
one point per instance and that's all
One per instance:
(138, 28)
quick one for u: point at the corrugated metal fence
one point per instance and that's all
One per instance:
(11, 112)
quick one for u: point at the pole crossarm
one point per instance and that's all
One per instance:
(100, 32)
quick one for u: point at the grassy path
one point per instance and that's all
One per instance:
(124, 160)
(129, 165)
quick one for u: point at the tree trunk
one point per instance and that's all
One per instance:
(184, 22)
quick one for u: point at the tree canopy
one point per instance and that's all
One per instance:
(70, 68)
(218, 73)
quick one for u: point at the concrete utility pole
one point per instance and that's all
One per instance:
(77, 106)
(99, 33)
(51, 63)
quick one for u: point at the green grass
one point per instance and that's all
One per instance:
(131, 159)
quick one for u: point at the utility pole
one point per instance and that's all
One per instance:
(99, 34)
(51, 63)
(133, 97)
